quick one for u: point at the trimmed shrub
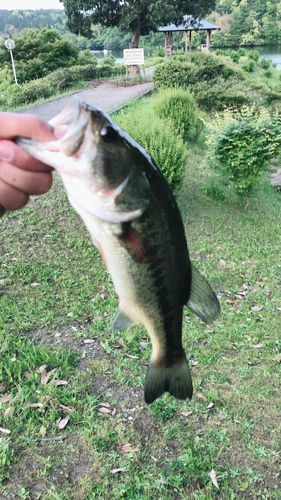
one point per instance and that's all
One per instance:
(30, 92)
(274, 65)
(268, 74)
(174, 74)
(235, 56)
(265, 63)
(86, 57)
(220, 52)
(253, 54)
(159, 51)
(108, 61)
(242, 51)
(158, 138)
(178, 106)
(242, 145)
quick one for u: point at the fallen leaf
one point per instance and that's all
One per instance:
(88, 341)
(5, 431)
(278, 360)
(199, 395)
(87, 319)
(230, 301)
(130, 356)
(214, 479)
(107, 405)
(104, 410)
(210, 405)
(239, 297)
(34, 284)
(194, 363)
(114, 471)
(96, 318)
(257, 308)
(128, 447)
(105, 314)
(233, 345)
(56, 438)
(120, 341)
(143, 344)
(113, 412)
(161, 481)
(257, 346)
(26, 374)
(9, 412)
(221, 417)
(60, 382)
(2, 282)
(102, 295)
(5, 398)
(222, 261)
(248, 337)
(70, 314)
(35, 405)
(42, 368)
(61, 422)
(186, 413)
(278, 308)
(46, 375)
(66, 408)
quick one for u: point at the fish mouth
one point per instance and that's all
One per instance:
(73, 121)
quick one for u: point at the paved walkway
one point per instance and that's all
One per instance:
(106, 95)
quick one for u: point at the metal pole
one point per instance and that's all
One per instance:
(13, 64)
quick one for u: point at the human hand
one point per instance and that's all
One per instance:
(21, 175)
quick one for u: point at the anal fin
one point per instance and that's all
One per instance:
(175, 379)
(121, 321)
(202, 300)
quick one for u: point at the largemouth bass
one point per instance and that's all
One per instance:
(134, 221)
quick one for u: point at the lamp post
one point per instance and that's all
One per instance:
(10, 45)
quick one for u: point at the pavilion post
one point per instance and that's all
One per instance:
(208, 40)
(165, 43)
(190, 41)
(186, 42)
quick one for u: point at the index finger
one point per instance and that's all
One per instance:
(29, 126)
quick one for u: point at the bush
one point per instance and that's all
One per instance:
(242, 51)
(174, 74)
(265, 63)
(158, 138)
(235, 56)
(214, 192)
(108, 61)
(86, 57)
(153, 61)
(220, 52)
(268, 74)
(242, 145)
(159, 51)
(30, 92)
(249, 67)
(254, 54)
(178, 106)
(221, 94)
(274, 65)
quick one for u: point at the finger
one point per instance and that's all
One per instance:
(11, 153)
(29, 126)
(24, 180)
(2, 211)
(12, 198)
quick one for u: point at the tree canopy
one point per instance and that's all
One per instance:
(138, 16)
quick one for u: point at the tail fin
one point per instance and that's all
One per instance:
(176, 380)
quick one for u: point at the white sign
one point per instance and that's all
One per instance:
(133, 56)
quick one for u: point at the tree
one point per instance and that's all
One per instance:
(39, 52)
(137, 16)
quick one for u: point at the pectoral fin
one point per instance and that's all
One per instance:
(202, 300)
(121, 321)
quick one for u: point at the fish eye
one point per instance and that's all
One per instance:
(108, 133)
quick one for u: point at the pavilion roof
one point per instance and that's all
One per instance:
(190, 24)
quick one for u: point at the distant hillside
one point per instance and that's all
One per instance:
(247, 22)
(13, 21)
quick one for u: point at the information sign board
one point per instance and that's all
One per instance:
(133, 57)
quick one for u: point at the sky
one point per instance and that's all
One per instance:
(30, 4)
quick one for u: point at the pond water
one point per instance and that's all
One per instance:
(270, 52)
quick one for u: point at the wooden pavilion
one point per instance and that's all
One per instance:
(190, 24)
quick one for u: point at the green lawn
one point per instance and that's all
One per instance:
(60, 361)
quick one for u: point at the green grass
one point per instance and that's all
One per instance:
(47, 324)
(258, 74)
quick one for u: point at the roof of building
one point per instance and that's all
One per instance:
(190, 24)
